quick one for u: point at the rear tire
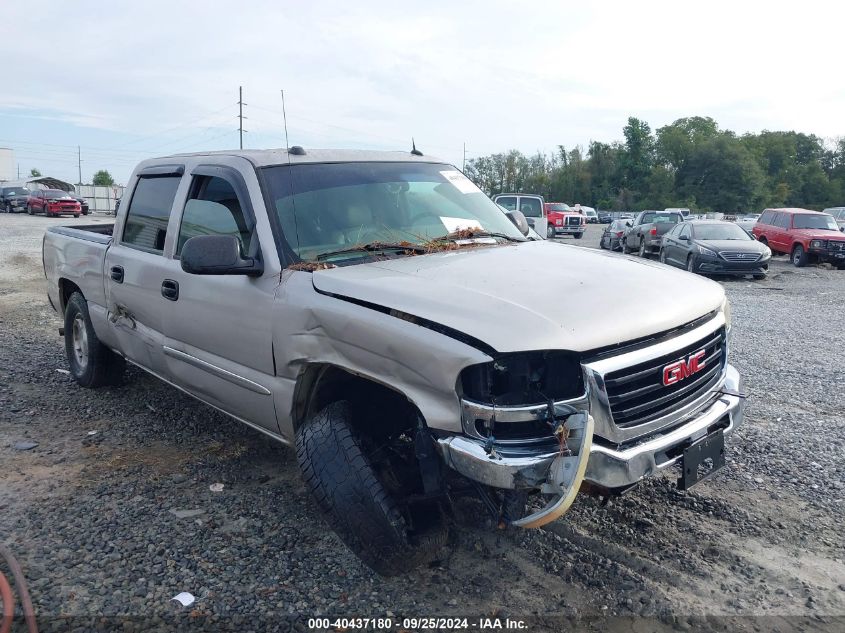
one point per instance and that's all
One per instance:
(601, 244)
(662, 256)
(799, 256)
(91, 363)
(8, 208)
(760, 277)
(29, 209)
(355, 502)
(642, 252)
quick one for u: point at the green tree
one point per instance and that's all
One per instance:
(34, 173)
(103, 178)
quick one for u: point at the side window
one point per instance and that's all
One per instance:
(213, 209)
(784, 220)
(149, 212)
(686, 231)
(765, 218)
(531, 207)
(509, 202)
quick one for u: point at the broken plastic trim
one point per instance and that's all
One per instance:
(565, 474)
(422, 322)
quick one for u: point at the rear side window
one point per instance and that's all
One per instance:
(509, 202)
(213, 208)
(149, 212)
(783, 220)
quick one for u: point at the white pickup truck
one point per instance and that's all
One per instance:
(379, 312)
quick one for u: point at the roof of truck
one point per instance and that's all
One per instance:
(281, 156)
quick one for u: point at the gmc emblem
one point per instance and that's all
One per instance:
(681, 369)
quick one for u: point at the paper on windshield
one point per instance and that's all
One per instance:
(456, 224)
(459, 181)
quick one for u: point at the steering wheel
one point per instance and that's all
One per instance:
(424, 214)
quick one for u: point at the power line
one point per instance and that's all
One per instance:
(241, 116)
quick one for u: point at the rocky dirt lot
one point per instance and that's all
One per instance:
(111, 514)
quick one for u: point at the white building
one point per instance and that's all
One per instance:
(7, 164)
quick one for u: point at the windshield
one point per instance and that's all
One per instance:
(55, 193)
(661, 218)
(15, 191)
(720, 232)
(820, 221)
(558, 206)
(328, 207)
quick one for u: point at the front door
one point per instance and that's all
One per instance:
(219, 342)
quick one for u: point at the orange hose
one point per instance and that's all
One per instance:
(23, 592)
(8, 604)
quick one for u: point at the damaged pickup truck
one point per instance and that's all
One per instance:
(379, 312)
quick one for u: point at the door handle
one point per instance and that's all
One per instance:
(117, 274)
(170, 289)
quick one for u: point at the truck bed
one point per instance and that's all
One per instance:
(100, 233)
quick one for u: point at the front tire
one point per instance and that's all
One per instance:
(601, 244)
(8, 208)
(691, 264)
(578, 236)
(91, 363)
(662, 256)
(799, 256)
(355, 502)
(550, 232)
(759, 277)
(29, 209)
(642, 252)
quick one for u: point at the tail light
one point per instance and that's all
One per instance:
(619, 233)
(653, 230)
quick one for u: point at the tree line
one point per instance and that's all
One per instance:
(690, 163)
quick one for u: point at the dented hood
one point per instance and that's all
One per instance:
(534, 295)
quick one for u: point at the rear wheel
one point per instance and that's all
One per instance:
(92, 364)
(8, 208)
(799, 256)
(760, 277)
(29, 209)
(642, 251)
(359, 498)
(601, 244)
(662, 256)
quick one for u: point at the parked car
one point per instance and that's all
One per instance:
(611, 237)
(747, 221)
(561, 219)
(645, 232)
(531, 207)
(806, 236)
(52, 202)
(404, 372)
(715, 247)
(604, 217)
(587, 212)
(838, 214)
(83, 203)
(13, 199)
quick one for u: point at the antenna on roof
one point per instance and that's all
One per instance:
(414, 149)
(285, 118)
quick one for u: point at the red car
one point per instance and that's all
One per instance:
(806, 236)
(563, 220)
(53, 202)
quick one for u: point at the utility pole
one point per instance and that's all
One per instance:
(464, 164)
(79, 163)
(241, 116)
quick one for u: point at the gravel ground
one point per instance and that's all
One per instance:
(111, 514)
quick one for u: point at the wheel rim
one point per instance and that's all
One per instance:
(642, 249)
(550, 232)
(796, 257)
(79, 340)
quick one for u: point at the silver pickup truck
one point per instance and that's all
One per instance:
(380, 313)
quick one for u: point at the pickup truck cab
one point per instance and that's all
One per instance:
(53, 202)
(806, 236)
(530, 205)
(561, 219)
(645, 232)
(362, 307)
(838, 214)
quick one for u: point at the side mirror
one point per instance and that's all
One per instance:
(684, 238)
(217, 255)
(629, 223)
(519, 221)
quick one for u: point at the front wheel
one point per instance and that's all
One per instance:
(550, 232)
(799, 256)
(662, 256)
(8, 208)
(760, 277)
(91, 363)
(691, 264)
(578, 236)
(29, 209)
(642, 251)
(355, 500)
(601, 244)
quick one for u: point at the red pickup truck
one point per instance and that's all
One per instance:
(806, 236)
(563, 220)
(53, 202)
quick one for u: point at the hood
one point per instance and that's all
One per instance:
(817, 234)
(747, 246)
(532, 296)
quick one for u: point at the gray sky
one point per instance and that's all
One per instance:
(126, 80)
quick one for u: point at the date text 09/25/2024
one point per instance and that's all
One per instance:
(420, 623)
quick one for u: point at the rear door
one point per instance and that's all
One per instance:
(218, 328)
(780, 232)
(135, 265)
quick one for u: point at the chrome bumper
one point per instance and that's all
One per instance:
(507, 467)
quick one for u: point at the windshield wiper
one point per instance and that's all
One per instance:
(374, 247)
(476, 233)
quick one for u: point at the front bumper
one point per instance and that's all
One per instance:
(834, 256)
(718, 266)
(609, 466)
(569, 230)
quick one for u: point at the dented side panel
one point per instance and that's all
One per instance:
(309, 327)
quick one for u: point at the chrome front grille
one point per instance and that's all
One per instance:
(573, 221)
(736, 256)
(836, 245)
(638, 394)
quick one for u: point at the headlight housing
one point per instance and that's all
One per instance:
(726, 310)
(816, 243)
(767, 252)
(706, 251)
